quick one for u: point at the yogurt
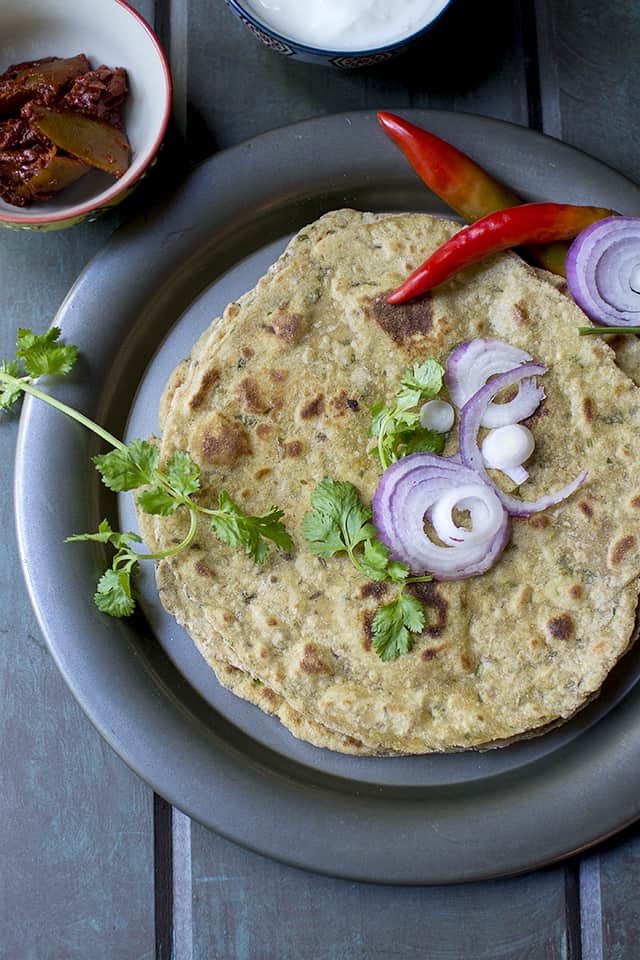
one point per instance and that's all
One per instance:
(346, 24)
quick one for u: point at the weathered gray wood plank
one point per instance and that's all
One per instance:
(76, 847)
(590, 77)
(245, 906)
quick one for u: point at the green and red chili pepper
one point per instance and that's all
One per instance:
(501, 230)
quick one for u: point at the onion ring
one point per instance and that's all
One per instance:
(470, 419)
(471, 365)
(424, 484)
(603, 271)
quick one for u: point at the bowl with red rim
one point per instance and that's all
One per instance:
(108, 32)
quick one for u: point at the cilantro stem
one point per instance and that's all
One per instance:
(600, 331)
(181, 546)
(63, 408)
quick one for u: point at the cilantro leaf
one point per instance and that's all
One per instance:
(128, 468)
(422, 440)
(9, 393)
(183, 474)
(394, 624)
(339, 520)
(236, 528)
(43, 355)
(426, 378)
(113, 594)
(397, 426)
(158, 500)
(106, 535)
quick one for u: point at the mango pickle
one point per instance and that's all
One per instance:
(58, 119)
(92, 141)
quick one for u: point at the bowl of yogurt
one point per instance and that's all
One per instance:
(340, 33)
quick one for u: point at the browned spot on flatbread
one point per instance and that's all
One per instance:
(465, 662)
(272, 622)
(352, 742)
(576, 591)
(312, 662)
(432, 652)
(228, 617)
(223, 442)
(264, 431)
(373, 589)
(232, 311)
(293, 449)
(521, 313)
(540, 411)
(262, 473)
(248, 352)
(620, 549)
(539, 521)
(250, 396)
(208, 379)
(427, 594)
(616, 341)
(203, 569)
(587, 409)
(561, 627)
(343, 402)
(268, 694)
(367, 628)
(586, 508)
(313, 408)
(287, 326)
(403, 320)
(278, 375)
(635, 501)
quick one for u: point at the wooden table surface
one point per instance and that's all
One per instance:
(93, 866)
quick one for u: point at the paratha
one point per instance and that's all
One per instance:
(276, 395)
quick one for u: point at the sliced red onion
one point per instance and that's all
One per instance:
(472, 363)
(470, 419)
(603, 271)
(425, 484)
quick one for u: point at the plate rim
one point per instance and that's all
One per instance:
(385, 867)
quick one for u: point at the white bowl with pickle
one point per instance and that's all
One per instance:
(85, 98)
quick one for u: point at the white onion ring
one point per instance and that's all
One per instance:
(603, 270)
(470, 366)
(413, 487)
(470, 419)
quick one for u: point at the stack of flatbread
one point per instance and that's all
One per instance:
(277, 394)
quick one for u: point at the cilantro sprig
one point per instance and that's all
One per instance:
(397, 427)
(37, 355)
(340, 523)
(136, 466)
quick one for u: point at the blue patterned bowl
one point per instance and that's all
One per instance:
(344, 59)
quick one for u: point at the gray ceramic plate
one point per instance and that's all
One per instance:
(134, 312)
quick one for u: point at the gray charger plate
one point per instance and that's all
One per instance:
(134, 312)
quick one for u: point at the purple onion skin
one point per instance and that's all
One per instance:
(440, 468)
(579, 281)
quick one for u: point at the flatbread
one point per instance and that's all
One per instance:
(276, 395)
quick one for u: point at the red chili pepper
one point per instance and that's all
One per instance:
(461, 182)
(528, 223)
(451, 174)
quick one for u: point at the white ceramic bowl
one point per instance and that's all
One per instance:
(110, 32)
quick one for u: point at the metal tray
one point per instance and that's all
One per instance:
(134, 312)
